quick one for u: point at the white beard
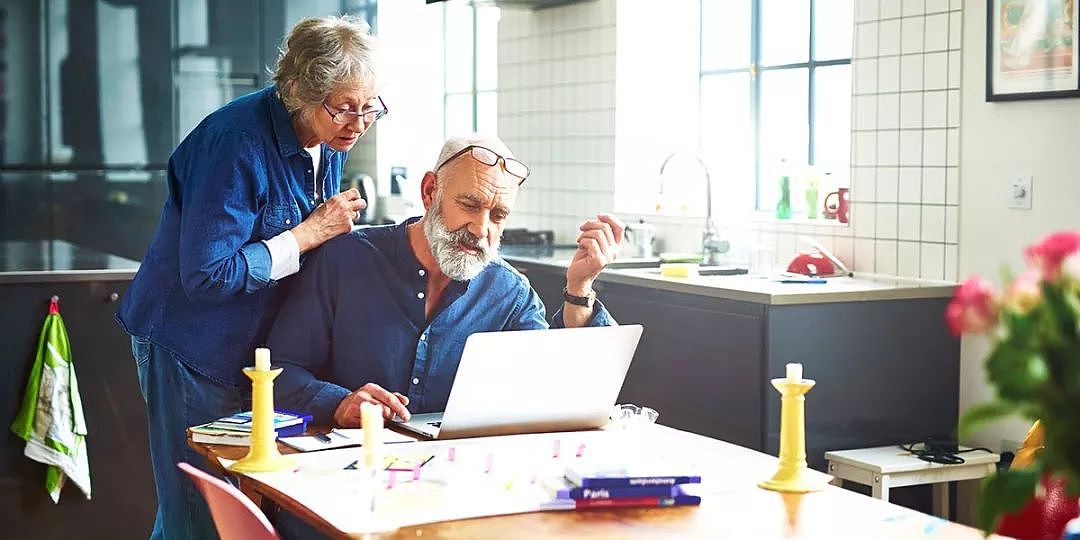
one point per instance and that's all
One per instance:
(455, 262)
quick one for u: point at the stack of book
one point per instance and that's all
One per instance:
(592, 486)
(235, 429)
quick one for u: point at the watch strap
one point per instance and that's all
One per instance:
(586, 300)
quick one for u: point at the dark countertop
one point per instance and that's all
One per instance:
(750, 288)
(25, 261)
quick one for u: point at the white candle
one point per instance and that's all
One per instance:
(262, 359)
(371, 419)
(794, 372)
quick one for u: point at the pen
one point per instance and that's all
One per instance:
(322, 437)
(812, 280)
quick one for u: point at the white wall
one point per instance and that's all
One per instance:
(1002, 139)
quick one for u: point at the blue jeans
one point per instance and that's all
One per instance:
(176, 398)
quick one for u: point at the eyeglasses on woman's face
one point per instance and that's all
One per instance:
(367, 115)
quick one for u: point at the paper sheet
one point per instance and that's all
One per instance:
(340, 438)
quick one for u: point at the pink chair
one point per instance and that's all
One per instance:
(235, 516)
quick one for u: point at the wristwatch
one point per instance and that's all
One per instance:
(586, 300)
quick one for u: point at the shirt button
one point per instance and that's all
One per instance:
(415, 380)
(288, 221)
(420, 295)
(423, 337)
(421, 272)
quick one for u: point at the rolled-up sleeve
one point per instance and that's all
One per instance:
(220, 194)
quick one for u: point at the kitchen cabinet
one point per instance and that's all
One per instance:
(887, 370)
(123, 502)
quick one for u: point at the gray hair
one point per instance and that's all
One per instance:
(321, 54)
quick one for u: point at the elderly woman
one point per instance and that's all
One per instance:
(251, 189)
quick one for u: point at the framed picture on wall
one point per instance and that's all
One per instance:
(1031, 49)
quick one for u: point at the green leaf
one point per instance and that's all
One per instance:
(1003, 493)
(982, 413)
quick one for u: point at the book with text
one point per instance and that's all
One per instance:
(208, 434)
(629, 474)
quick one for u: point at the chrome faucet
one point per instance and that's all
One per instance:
(711, 243)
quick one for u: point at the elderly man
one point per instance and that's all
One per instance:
(382, 314)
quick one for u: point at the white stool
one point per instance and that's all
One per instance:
(886, 467)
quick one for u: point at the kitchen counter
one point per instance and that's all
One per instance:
(38, 261)
(747, 288)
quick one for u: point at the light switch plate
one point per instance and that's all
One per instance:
(1019, 194)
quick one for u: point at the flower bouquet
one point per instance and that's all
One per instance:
(1034, 366)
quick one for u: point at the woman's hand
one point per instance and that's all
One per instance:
(332, 218)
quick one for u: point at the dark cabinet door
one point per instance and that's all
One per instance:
(698, 366)
(123, 502)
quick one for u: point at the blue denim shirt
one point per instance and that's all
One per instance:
(203, 290)
(356, 315)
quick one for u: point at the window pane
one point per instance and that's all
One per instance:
(725, 34)
(784, 128)
(834, 21)
(459, 116)
(785, 32)
(487, 46)
(832, 114)
(727, 140)
(459, 48)
(487, 113)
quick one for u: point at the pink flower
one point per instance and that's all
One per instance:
(1048, 254)
(973, 308)
(1024, 293)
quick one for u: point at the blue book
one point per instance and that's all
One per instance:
(677, 498)
(209, 434)
(241, 421)
(626, 475)
(563, 489)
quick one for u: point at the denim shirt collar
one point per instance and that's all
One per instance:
(408, 264)
(283, 130)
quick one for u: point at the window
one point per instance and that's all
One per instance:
(775, 84)
(471, 68)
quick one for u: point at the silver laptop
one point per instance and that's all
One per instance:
(532, 381)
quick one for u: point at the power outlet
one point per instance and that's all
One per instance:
(1019, 194)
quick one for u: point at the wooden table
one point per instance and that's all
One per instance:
(743, 511)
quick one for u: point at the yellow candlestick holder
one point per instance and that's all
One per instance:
(793, 476)
(263, 456)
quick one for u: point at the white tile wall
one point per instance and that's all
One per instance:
(905, 143)
(557, 111)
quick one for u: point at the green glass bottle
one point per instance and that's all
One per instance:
(783, 206)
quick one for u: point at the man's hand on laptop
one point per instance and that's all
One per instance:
(393, 403)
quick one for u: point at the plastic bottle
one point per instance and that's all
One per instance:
(783, 206)
(811, 194)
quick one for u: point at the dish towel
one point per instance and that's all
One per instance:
(51, 419)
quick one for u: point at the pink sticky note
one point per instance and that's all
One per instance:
(555, 451)
(581, 450)
(451, 453)
(490, 463)
(416, 472)
(391, 480)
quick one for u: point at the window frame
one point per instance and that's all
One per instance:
(754, 69)
(474, 91)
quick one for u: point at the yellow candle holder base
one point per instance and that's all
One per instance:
(263, 456)
(798, 483)
(262, 463)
